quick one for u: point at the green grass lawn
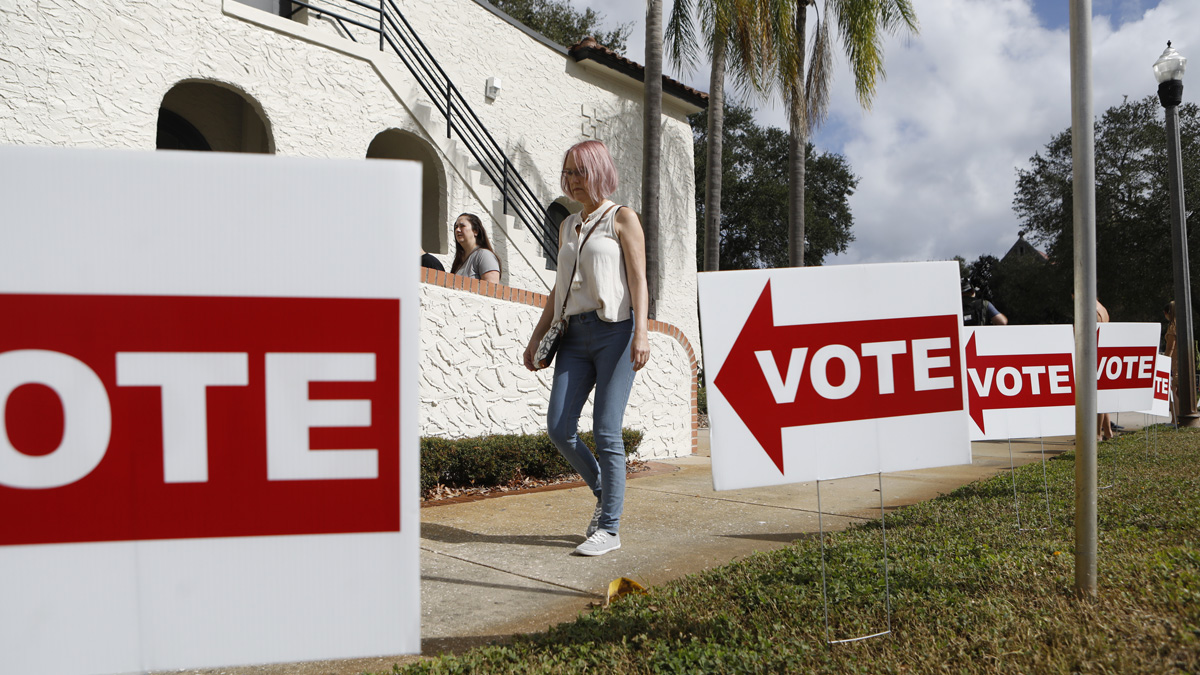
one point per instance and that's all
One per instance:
(970, 593)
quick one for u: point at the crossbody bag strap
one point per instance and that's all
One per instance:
(562, 312)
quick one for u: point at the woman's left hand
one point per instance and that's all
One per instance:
(633, 244)
(639, 351)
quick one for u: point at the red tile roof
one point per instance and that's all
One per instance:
(589, 49)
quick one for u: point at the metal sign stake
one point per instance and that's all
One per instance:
(1012, 471)
(1045, 482)
(886, 577)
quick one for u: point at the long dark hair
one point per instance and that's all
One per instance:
(481, 241)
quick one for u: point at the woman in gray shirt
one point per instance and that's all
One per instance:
(473, 253)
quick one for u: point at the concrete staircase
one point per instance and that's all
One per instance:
(525, 262)
(510, 236)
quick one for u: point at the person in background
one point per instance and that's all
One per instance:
(1104, 425)
(1169, 335)
(427, 260)
(473, 253)
(977, 311)
(1169, 349)
(607, 341)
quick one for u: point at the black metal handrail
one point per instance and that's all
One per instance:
(396, 32)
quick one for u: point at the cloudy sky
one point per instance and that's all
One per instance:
(983, 87)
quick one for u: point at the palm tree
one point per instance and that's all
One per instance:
(862, 25)
(652, 149)
(738, 34)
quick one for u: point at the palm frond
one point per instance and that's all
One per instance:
(820, 73)
(789, 49)
(782, 23)
(863, 25)
(897, 14)
(679, 36)
(706, 14)
(751, 43)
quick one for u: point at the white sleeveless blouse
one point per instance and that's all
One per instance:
(600, 280)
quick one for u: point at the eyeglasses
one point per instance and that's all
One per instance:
(572, 173)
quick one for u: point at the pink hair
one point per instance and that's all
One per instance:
(593, 158)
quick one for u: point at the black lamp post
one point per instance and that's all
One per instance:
(1168, 70)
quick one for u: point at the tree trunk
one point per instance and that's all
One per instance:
(713, 164)
(797, 144)
(652, 150)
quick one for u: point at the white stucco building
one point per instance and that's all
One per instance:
(488, 107)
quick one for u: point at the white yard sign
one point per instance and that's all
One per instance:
(1020, 381)
(1125, 372)
(828, 372)
(208, 372)
(1162, 388)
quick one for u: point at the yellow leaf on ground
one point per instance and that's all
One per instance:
(622, 586)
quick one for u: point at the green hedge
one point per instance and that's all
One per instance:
(499, 460)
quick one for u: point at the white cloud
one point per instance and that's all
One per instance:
(981, 89)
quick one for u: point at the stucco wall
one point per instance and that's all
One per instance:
(548, 103)
(473, 381)
(95, 75)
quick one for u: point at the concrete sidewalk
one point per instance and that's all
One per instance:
(499, 566)
(495, 567)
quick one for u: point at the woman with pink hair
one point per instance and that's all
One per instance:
(601, 289)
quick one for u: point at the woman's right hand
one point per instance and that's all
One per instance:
(535, 340)
(530, 355)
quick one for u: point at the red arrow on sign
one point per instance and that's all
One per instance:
(1009, 381)
(776, 377)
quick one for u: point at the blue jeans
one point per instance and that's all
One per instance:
(594, 353)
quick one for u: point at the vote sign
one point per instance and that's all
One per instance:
(1020, 381)
(208, 450)
(1125, 371)
(186, 407)
(829, 372)
(1161, 407)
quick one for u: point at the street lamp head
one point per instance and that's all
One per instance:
(1168, 70)
(1169, 66)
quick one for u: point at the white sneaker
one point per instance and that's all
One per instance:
(595, 524)
(599, 543)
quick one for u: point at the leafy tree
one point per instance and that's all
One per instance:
(754, 211)
(1133, 238)
(737, 35)
(557, 20)
(983, 275)
(862, 25)
(1027, 290)
(1034, 292)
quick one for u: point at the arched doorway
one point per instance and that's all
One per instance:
(176, 133)
(555, 214)
(199, 115)
(397, 144)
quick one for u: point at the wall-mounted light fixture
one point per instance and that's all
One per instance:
(493, 88)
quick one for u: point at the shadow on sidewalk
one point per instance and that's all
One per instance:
(453, 535)
(509, 587)
(782, 537)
